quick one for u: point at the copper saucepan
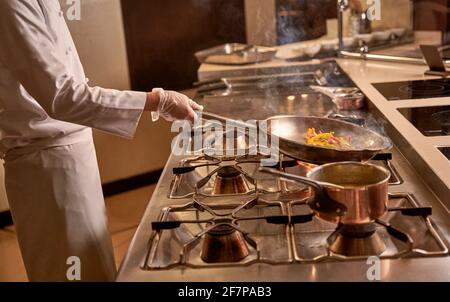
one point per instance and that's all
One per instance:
(359, 188)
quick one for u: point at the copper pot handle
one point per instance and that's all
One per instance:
(321, 202)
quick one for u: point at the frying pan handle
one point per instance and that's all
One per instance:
(238, 124)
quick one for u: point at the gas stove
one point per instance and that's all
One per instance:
(281, 229)
(215, 217)
(232, 215)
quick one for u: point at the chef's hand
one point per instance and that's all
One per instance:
(171, 106)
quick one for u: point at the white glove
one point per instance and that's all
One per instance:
(175, 106)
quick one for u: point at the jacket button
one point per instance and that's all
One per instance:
(61, 13)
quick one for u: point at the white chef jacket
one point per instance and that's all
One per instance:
(44, 93)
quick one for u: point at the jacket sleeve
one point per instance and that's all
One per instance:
(29, 50)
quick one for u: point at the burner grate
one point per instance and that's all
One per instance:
(406, 231)
(202, 175)
(280, 230)
(178, 235)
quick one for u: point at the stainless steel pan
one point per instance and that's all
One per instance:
(291, 132)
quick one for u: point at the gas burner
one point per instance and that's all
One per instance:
(229, 176)
(399, 233)
(230, 180)
(224, 243)
(356, 240)
(239, 175)
(212, 176)
(213, 232)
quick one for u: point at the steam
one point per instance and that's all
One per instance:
(379, 126)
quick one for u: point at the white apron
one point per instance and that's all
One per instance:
(46, 111)
(57, 205)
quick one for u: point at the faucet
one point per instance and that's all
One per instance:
(360, 22)
(342, 6)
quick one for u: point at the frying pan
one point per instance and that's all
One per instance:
(291, 133)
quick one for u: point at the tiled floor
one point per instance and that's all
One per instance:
(124, 212)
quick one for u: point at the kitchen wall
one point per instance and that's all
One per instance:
(261, 22)
(162, 37)
(261, 18)
(100, 41)
(396, 13)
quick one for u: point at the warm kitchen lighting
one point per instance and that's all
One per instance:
(278, 146)
(291, 98)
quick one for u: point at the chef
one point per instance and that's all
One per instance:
(47, 110)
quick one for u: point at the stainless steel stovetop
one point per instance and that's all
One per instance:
(218, 219)
(263, 219)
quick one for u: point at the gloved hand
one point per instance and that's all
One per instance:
(175, 106)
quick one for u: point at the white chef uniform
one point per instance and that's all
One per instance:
(47, 110)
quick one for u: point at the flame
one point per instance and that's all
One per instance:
(306, 167)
